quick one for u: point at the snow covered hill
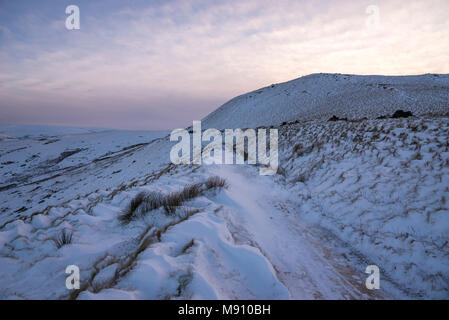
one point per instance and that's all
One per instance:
(320, 96)
(45, 166)
(348, 194)
(381, 186)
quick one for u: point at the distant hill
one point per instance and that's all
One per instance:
(320, 96)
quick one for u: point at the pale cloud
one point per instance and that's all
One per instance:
(176, 62)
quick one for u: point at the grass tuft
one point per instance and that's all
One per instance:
(145, 202)
(65, 237)
(215, 182)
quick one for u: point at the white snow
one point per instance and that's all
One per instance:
(382, 187)
(348, 194)
(320, 96)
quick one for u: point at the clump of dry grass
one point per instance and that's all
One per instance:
(65, 237)
(215, 182)
(145, 202)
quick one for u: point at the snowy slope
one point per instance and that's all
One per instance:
(46, 166)
(319, 96)
(28, 131)
(225, 244)
(382, 186)
(347, 194)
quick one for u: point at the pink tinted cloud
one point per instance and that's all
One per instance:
(145, 63)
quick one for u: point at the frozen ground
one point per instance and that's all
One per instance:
(348, 194)
(320, 96)
(382, 186)
(44, 166)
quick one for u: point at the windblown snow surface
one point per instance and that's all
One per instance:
(320, 96)
(348, 194)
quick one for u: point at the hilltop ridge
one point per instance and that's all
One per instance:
(320, 96)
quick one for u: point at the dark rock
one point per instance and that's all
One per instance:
(335, 118)
(401, 114)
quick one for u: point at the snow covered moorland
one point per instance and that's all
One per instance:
(347, 194)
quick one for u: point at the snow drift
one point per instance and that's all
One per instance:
(348, 193)
(320, 96)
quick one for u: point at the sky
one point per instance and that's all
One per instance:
(151, 65)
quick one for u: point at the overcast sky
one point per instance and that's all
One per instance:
(161, 64)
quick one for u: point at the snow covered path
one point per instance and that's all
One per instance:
(260, 214)
(347, 195)
(240, 243)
